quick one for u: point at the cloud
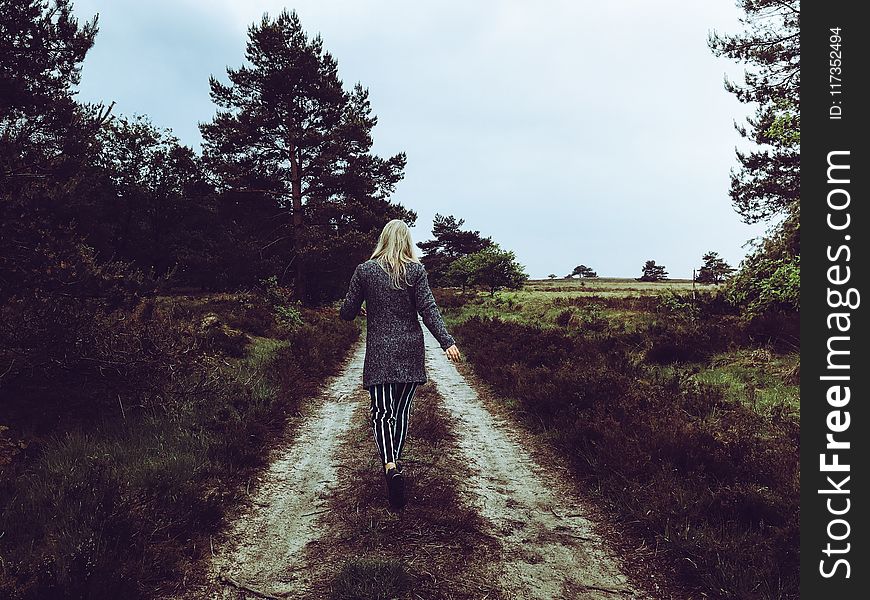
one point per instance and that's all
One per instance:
(571, 132)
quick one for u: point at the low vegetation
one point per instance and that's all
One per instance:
(680, 415)
(108, 493)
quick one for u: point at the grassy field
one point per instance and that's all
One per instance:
(613, 286)
(754, 375)
(678, 413)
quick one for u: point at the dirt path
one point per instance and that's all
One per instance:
(550, 548)
(519, 531)
(261, 554)
(436, 549)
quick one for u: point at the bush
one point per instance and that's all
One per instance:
(217, 336)
(244, 311)
(288, 313)
(448, 298)
(769, 278)
(780, 329)
(671, 342)
(564, 317)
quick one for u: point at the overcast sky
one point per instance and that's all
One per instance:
(569, 131)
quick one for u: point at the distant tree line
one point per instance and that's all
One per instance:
(713, 270)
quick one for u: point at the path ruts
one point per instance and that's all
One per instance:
(484, 519)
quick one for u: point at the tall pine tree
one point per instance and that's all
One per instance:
(42, 48)
(767, 181)
(287, 130)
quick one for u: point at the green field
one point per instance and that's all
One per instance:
(610, 286)
(755, 375)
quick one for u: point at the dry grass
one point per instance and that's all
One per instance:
(609, 286)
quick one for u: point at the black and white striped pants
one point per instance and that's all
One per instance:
(391, 405)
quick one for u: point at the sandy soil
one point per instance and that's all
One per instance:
(437, 542)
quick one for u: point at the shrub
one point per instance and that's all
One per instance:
(778, 328)
(564, 317)
(245, 311)
(217, 336)
(670, 343)
(769, 278)
(447, 298)
(288, 313)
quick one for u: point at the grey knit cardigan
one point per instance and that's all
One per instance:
(394, 338)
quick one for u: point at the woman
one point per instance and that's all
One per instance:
(395, 287)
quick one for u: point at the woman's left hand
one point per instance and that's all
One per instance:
(362, 311)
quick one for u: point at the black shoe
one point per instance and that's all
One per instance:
(396, 488)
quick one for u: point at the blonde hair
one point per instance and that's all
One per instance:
(394, 250)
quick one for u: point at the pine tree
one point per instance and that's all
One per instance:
(287, 129)
(46, 150)
(43, 47)
(583, 271)
(653, 272)
(449, 243)
(714, 269)
(767, 181)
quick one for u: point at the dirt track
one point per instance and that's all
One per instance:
(262, 550)
(549, 548)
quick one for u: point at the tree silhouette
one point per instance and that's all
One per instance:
(448, 244)
(653, 272)
(583, 271)
(714, 269)
(287, 129)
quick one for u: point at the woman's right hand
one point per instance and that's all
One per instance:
(453, 353)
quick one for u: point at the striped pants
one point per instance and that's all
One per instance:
(391, 404)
